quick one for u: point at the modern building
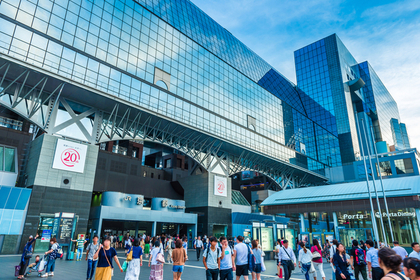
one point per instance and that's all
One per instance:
(143, 99)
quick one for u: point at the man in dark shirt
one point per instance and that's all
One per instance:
(358, 260)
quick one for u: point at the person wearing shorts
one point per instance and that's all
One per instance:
(179, 256)
(241, 251)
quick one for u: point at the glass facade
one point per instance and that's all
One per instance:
(327, 71)
(216, 82)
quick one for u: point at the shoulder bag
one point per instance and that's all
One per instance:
(130, 255)
(316, 256)
(291, 264)
(112, 269)
(159, 257)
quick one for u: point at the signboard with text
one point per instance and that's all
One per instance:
(46, 235)
(220, 186)
(69, 156)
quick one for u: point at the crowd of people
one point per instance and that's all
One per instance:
(225, 257)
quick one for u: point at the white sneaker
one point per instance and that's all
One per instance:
(44, 275)
(52, 274)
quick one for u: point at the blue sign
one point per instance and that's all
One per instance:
(46, 235)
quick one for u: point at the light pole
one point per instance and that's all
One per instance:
(375, 230)
(383, 190)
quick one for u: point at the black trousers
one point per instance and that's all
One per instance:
(212, 274)
(377, 273)
(198, 250)
(287, 271)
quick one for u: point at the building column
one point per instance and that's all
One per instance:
(137, 230)
(177, 229)
(154, 228)
(302, 223)
(335, 220)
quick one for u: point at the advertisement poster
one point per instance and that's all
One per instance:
(220, 186)
(46, 235)
(69, 156)
(329, 237)
(267, 239)
(290, 236)
(305, 238)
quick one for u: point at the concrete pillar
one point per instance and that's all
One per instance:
(154, 228)
(137, 230)
(302, 223)
(177, 229)
(335, 220)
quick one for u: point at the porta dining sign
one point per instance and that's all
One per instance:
(220, 186)
(69, 156)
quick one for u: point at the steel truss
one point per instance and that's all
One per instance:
(36, 97)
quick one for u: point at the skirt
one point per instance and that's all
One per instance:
(157, 272)
(103, 273)
(133, 270)
(147, 249)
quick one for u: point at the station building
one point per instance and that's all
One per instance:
(148, 116)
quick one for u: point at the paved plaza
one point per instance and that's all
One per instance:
(194, 270)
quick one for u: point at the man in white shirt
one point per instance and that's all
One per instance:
(227, 260)
(198, 246)
(241, 252)
(400, 251)
(416, 251)
(287, 259)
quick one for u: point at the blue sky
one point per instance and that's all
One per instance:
(386, 33)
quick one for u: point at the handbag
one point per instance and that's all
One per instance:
(312, 268)
(28, 253)
(263, 268)
(124, 266)
(17, 269)
(130, 255)
(289, 262)
(112, 269)
(316, 256)
(159, 257)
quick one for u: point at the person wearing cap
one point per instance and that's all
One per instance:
(26, 256)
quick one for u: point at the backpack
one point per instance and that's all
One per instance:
(28, 252)
(360, 256)
(208, 251)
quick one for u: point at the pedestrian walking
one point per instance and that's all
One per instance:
(257, 252)
(412, 268)
(333, 251)
(185, 243)
(80, 245)
(358, 260)
(211, 259)
(390, 262)
(26, 256)
(276, 257)
(179, 257)
(227, 260)
(317, 259)
(326, 251)
(147, 247)
(305, 260)
(105, 255)
(340, 263)
(287, 259)
(375, 271)
(416, 251)
(127, 244)
(400, 251)
(52, 255)
(133, 268)
(241, 251)
(91, 250)
(170, 246)
(198, 246)
(156, 272)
